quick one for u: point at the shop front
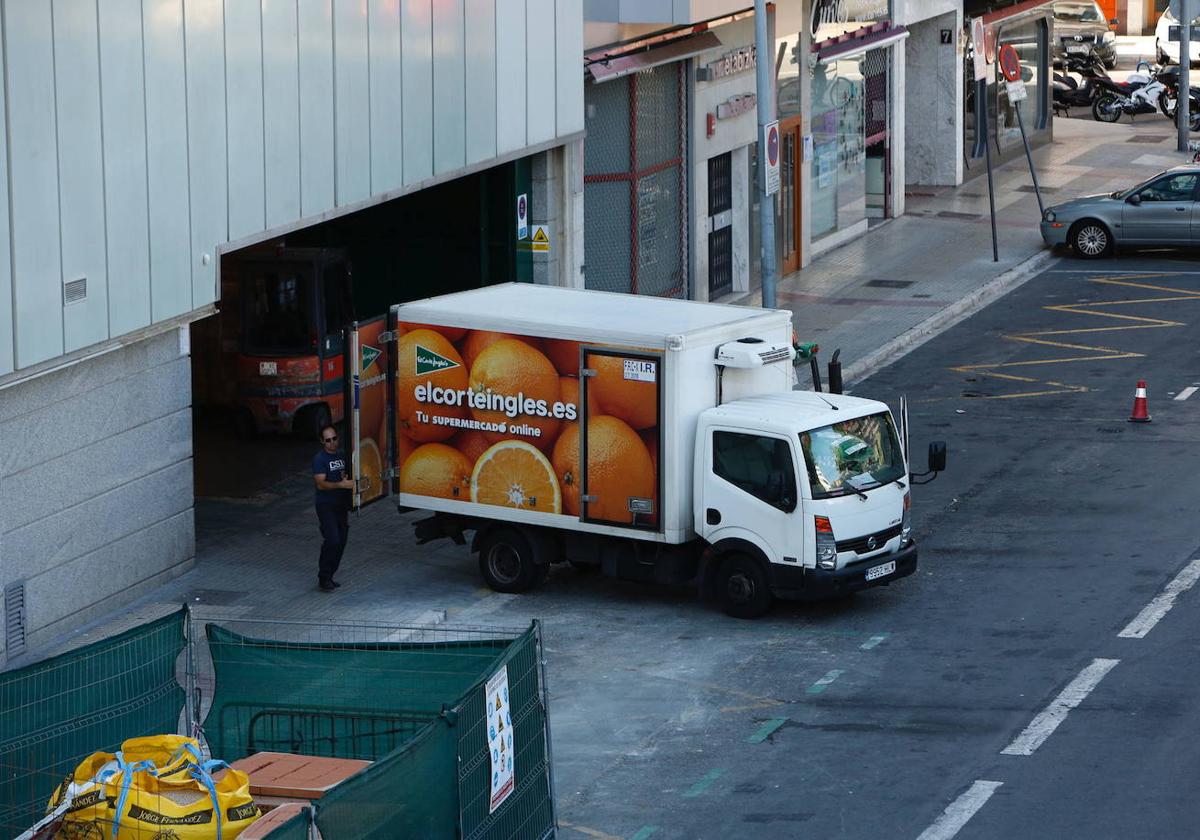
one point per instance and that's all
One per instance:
(989, 115)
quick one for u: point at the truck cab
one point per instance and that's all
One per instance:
(800, 494)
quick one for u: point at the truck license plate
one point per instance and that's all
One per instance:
(880, 571)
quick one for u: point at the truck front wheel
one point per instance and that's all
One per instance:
(742, 587)
(507, 562)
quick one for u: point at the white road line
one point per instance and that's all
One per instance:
(1153, 612)
(1185, 393)
(1042, 726)
(959, 811)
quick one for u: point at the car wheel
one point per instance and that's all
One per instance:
(742, 587)
(507, 562)
(1090, 239)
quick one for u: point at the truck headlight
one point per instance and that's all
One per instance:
(826, 544)
(906, 522)
(1048, 216)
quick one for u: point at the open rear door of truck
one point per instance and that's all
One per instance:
(621, 408)
(368, 426)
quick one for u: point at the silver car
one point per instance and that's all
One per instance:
(1162, 210)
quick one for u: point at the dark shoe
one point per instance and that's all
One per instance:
(327, 586)
(335, 583)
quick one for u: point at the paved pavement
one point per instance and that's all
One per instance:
(641, 678)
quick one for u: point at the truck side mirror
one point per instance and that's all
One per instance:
(937, 456)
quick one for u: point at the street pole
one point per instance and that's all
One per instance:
(1183, 102)
(981, 92)
(765, 98)
(1029, 156)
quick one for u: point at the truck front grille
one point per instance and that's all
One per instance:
(859, 545)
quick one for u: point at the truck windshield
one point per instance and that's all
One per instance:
(279, 302)
(851, 456)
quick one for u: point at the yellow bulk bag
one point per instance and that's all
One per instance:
(132, 799)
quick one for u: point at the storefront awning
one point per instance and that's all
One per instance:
(868, 38)
(603, 68)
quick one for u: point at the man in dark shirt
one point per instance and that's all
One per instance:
(331, 474)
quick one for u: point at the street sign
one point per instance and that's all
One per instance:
(977, 46)
(522, 216)
(1016, 90)
(771, 157)
(1010, 63)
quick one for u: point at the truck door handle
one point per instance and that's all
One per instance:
(713, 516)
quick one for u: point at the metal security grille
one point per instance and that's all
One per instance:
(14, 620)
(720, 236)
(636, 185)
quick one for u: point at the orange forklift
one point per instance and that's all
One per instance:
(280, 333)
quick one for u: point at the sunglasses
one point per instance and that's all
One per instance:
(330, 439)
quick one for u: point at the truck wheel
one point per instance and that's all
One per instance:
(743, 588)
(506, 561)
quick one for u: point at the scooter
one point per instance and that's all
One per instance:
(1069, 93)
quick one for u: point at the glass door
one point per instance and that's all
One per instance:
(787, 202)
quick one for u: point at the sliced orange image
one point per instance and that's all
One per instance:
(370, 464)
(515, 474)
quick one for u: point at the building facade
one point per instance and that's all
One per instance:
(145, 142)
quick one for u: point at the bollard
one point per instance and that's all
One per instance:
(835, 373)
(816, 372)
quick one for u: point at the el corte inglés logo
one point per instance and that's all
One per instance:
(431, 362)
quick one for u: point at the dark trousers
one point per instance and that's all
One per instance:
(335, 529)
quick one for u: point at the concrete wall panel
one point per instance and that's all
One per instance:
(80, 170)
(33, 181)
(317, 178)
(281, 111)
(244, 126)
(480, 80)
(387, 118)
(204, 28)
(568, 42)
(166, 158)
(352, 102)
(6, 289)
(416, 34)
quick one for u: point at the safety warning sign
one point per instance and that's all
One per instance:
(541, 239)
(500, 738)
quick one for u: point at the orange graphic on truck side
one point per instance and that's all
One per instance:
(494, 418)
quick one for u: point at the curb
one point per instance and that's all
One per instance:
(944, 319)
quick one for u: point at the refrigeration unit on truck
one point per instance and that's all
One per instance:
(660, 440)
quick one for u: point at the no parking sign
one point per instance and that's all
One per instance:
(771, 157)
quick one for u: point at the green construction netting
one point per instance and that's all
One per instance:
(55, 713)
(527, 814)
(345, 700)
(409, 793)
(294, 829)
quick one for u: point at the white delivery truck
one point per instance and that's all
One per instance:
(660, 440)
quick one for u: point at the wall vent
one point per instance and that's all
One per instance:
(74, 290)
(14, 620)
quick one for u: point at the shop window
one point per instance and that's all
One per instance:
(1029, 38)
(635, 183)
(839, 145)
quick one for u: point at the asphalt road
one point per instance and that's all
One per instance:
(1057, 522)
(991, 695)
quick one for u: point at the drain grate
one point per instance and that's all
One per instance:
(1029, 188)
(889, 284)
(1146, 138)
(951, 214)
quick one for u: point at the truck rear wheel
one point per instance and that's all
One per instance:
(507, 561)
(742, 587)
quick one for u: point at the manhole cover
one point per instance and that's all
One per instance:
(1029, 188)
(951, 214)
(1146, 138)
(889, 284)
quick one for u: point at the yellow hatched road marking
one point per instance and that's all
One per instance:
(1096, 353)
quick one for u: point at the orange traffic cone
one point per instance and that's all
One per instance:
(1140, 412)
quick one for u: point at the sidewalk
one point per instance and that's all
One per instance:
(257, 556)
(904, 281)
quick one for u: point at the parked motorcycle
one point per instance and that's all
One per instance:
(1166, 102)
(1141, 94)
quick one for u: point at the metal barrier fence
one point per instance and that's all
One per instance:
(409, 699)
(55, 713)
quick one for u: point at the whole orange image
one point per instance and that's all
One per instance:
(494, 418)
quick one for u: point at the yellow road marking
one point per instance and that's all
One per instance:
(1096, 353)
